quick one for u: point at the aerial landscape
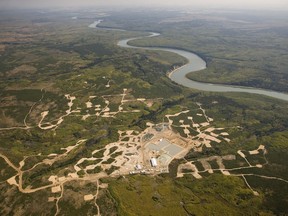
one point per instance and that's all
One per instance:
(143, 108)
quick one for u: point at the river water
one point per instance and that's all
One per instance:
(195, 63)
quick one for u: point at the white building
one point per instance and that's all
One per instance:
(153, 162)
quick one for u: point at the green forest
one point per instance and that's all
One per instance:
(45, 59)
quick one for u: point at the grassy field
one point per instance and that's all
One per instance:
(218, 195)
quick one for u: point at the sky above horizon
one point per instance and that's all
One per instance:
(235, 4)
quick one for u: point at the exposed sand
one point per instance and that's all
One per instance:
(255, 193)
(88, 197)
(186, 131)
(207, 143)
(62, 179)
(241, 154)
(196, 175)
(254, 152)
(53, 179)
(259, 165)
(89, 104)
(22, 163)
(210, 129)
(12, 181)
(56, 189)
(85, 116)
(204, 124)
(225, 172)
(227, 140)
(73, 175)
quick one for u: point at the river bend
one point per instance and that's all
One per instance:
(195, 63)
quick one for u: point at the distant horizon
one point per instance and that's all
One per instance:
(281, 5)
(138, 8)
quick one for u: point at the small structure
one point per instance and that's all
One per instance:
(153, 162)
(138, 167)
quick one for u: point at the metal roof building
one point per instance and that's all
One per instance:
(153, 162)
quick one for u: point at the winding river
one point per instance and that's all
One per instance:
(195, 63)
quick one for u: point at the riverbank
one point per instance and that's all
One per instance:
(195, 63)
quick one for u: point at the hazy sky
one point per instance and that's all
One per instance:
(250, 4)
